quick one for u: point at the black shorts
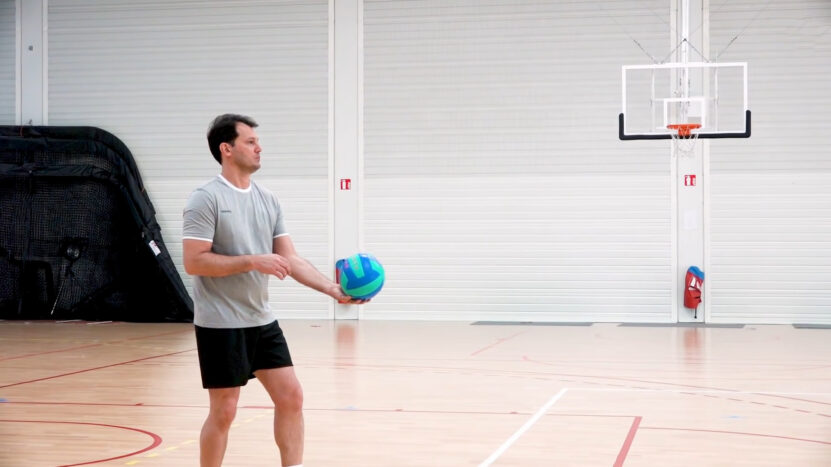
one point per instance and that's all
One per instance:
(229, 357)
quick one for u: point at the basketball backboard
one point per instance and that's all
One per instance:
(712, 95)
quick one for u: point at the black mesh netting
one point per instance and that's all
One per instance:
(78, 234)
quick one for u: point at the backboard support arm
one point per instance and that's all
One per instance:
(624, 137)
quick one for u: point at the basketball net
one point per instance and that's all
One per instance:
(683, 138)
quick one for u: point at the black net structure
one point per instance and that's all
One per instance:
(78, 233)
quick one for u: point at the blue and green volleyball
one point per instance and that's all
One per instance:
(361, 276)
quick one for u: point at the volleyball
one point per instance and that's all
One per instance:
(360, 276)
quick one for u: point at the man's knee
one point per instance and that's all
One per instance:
(224, 411)
(291, 400)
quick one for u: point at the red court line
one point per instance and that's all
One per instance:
(319, 409)
(632, 380)
(180, 331)
(618, 378)
(157, 440)
(796, 399)
(96, 368)
(498, 341)
(789, 438)
(528, 374)
(50, 351)
(95, 345)
(108, 404)
(624, 450)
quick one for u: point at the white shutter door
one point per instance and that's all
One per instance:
(496, 187)
(155, 73)
(770, 195)
(8, 62)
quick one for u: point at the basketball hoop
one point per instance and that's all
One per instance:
(685, 129)
(683, 137)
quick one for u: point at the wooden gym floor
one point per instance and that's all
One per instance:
(430, 394)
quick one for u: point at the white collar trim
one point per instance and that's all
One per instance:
(224, 180)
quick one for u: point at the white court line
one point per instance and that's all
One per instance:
(706, 391)
(523, 429)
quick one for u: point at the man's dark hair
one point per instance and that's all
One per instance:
(224, 130)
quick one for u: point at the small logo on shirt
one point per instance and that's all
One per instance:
(225, 211)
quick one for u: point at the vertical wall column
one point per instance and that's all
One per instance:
(33, 55)
(346, 76)
(690, 181)
(704, 311)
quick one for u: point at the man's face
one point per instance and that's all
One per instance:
(245, 153)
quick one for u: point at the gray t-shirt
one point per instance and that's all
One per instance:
(237, 222)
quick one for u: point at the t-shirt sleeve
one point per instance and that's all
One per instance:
(280, 224)
(199, 217)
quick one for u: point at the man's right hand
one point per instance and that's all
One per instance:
(275, 265)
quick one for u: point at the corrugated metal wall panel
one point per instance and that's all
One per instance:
(155, 73)
(770, 195)
(537, 248)
(8, 62)
(496, 187)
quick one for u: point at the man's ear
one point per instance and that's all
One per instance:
(224, 148)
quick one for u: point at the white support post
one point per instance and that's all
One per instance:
(346, 146)
(32, 53)
(689, 179)
(705, 309)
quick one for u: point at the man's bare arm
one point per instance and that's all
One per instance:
(305, 273)
(201, 261)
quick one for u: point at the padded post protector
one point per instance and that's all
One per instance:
(692, 287)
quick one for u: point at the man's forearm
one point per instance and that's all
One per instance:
(304, 272)
(215, 265)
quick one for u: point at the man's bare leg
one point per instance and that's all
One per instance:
(214, 436)
(287, 394)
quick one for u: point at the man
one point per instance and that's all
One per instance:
(234, 237)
